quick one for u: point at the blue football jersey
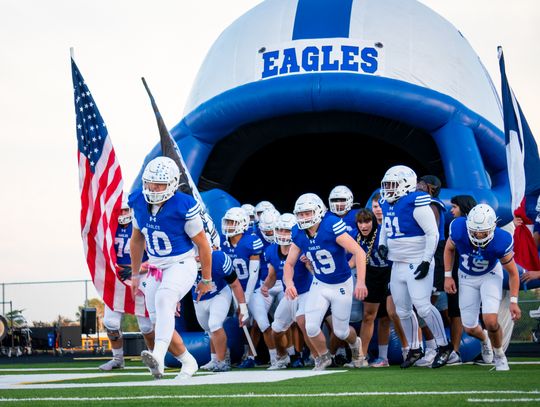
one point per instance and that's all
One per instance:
(302, 277)
(398, 217)
(479, 261)
(350, 221)
(374, 258)
(328, 258)
(164, 232)
(121, 245)
(263, 270)
(248, 245)
(221, 268)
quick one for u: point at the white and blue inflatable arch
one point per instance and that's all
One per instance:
(302, 93)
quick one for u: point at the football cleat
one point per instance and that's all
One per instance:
(221, 366)
(280, 363)
(412, 357)
(487, 351)
(454, 359)
(112, 364)
(427, 359)
(501, 363)
(248, 363)
(152, 364)
(323, 361)
(443, 353)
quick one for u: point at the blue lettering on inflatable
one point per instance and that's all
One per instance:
(310, 59)
(327, 65)
(269, 68)
(369, 56)
(289, 60)
(349, 52)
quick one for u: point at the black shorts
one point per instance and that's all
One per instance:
(438, 275)
(453, 299)
(377, 280)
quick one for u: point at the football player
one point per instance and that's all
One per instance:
(340, 202)
(212, 308)
(112, 320)
(288, 310)
(168, 223)
(409, 237)
(245, 250)
(260, 304)
(484, 250)
(323, 237)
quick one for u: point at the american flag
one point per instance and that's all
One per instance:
(100, 183)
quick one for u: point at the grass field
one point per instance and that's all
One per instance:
(455, 385)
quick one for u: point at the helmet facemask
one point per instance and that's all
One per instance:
(160, 180)
(481, 223)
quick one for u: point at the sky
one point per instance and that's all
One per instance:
(117, 42)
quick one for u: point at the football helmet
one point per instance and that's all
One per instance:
(397, 182)
(312, 209)
(267, 220)
(340, 200)
(250, 209)
(161, 170)
(234, 222)
(124, 218)
(481, 220)
(261, 207)
(285, 222)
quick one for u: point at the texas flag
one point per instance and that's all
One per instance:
(523, 170)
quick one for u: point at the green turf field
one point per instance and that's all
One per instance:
(454, 385)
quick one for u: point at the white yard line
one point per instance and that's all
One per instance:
(521, 400)
(296, 395)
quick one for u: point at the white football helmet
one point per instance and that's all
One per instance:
(261, 207)
(161, 170)
(125, 218)
(250, 209)
(481, 219)
(340, 200)
(397, 182)
(285, 223)
(267, 221)
(309, 210)
(234, 222)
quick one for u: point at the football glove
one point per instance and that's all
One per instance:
(124, 273)
(422, 270)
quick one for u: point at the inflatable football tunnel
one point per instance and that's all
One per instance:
(301, 95)
(298, 96)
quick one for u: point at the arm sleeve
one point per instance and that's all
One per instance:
(252, 280)
(193, 226)
(426, 220)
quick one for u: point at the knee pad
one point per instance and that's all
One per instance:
(312, 330)
(114, 334)
(214, 324)
(342, 331)
(145, 325)
(278, 326)
(112, 321)
(424, 309)
(403, 313)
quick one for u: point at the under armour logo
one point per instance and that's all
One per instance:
(152, 219)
